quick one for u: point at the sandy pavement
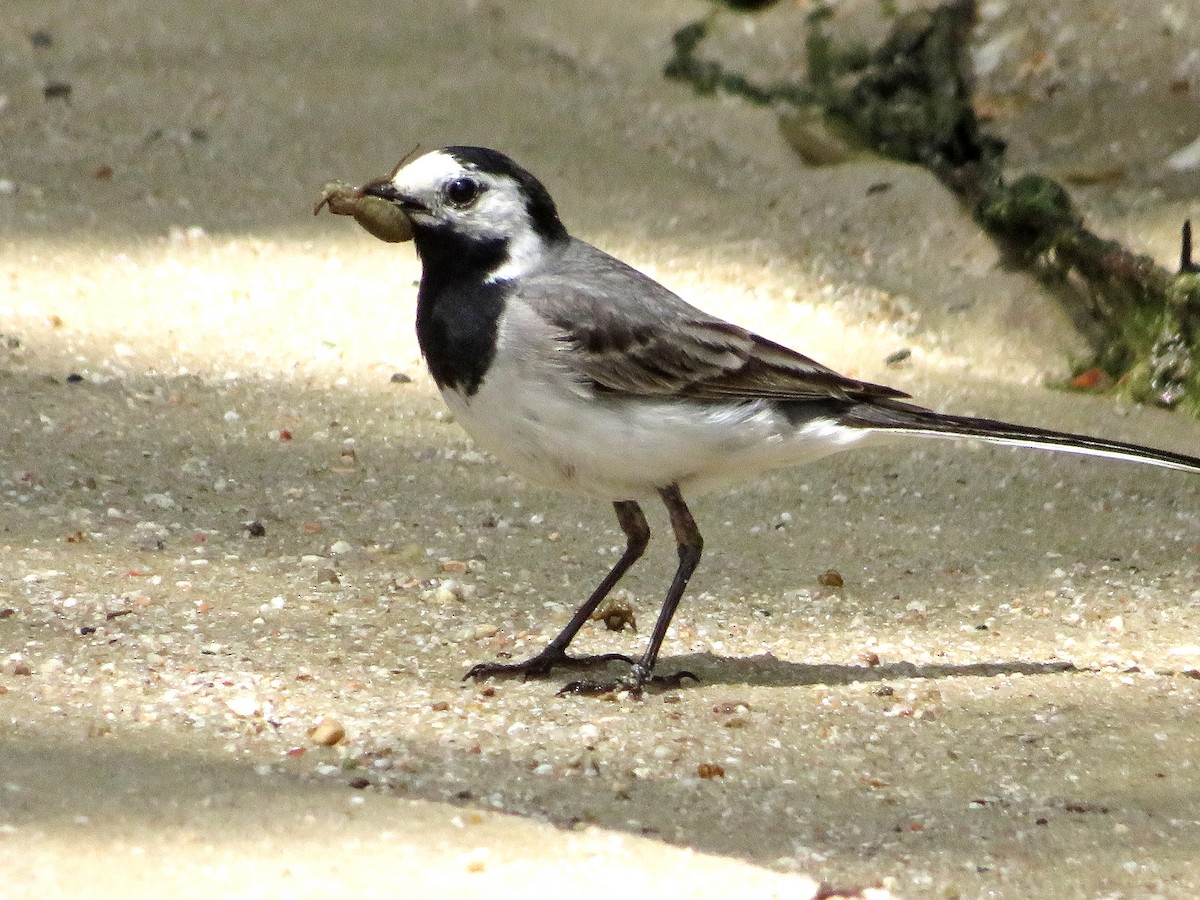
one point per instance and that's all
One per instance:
(232, 505)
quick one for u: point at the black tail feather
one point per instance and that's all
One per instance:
(905, 418)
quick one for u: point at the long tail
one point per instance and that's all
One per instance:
(904, 418)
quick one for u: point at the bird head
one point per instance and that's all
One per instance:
(472, 203)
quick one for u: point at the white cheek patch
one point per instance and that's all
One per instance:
(526, 250)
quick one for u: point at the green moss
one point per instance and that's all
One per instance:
(1029, 207)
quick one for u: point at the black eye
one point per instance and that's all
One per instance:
(462, 192)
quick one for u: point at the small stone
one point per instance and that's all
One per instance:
(243, 705)
(731, 707)
(449, 591)
(327, 733)
(831, 579)
(150, 535)
(341, 548)
(326, 575)
(476, 860)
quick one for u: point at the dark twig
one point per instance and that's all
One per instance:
(1186, 266)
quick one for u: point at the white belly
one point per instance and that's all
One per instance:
(627, 448)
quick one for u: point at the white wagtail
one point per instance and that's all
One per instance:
(583, 374)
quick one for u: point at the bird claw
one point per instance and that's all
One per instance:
(541, 664)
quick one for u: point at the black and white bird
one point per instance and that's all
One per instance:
(586, 375)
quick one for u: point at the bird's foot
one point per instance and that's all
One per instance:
(541, 664)
(634, 684)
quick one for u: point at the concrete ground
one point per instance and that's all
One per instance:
(232, 507)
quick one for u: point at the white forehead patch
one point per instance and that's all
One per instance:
(501, 212)
(426, 172)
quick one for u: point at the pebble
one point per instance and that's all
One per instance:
(831, 579)
(476, 860)
(327, 733)
(450, 591)
(341, 548)
(150, 535)
(244, 705)
(326, 575)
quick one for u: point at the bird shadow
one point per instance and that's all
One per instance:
(767, 670)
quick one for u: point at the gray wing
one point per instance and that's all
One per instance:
(628, 334)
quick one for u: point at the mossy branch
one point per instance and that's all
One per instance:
(911, 99)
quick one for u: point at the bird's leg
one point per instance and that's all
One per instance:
(637, 535)
(690, 544)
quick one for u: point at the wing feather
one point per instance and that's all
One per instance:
(625, 333)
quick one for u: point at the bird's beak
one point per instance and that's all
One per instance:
(385, 190)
